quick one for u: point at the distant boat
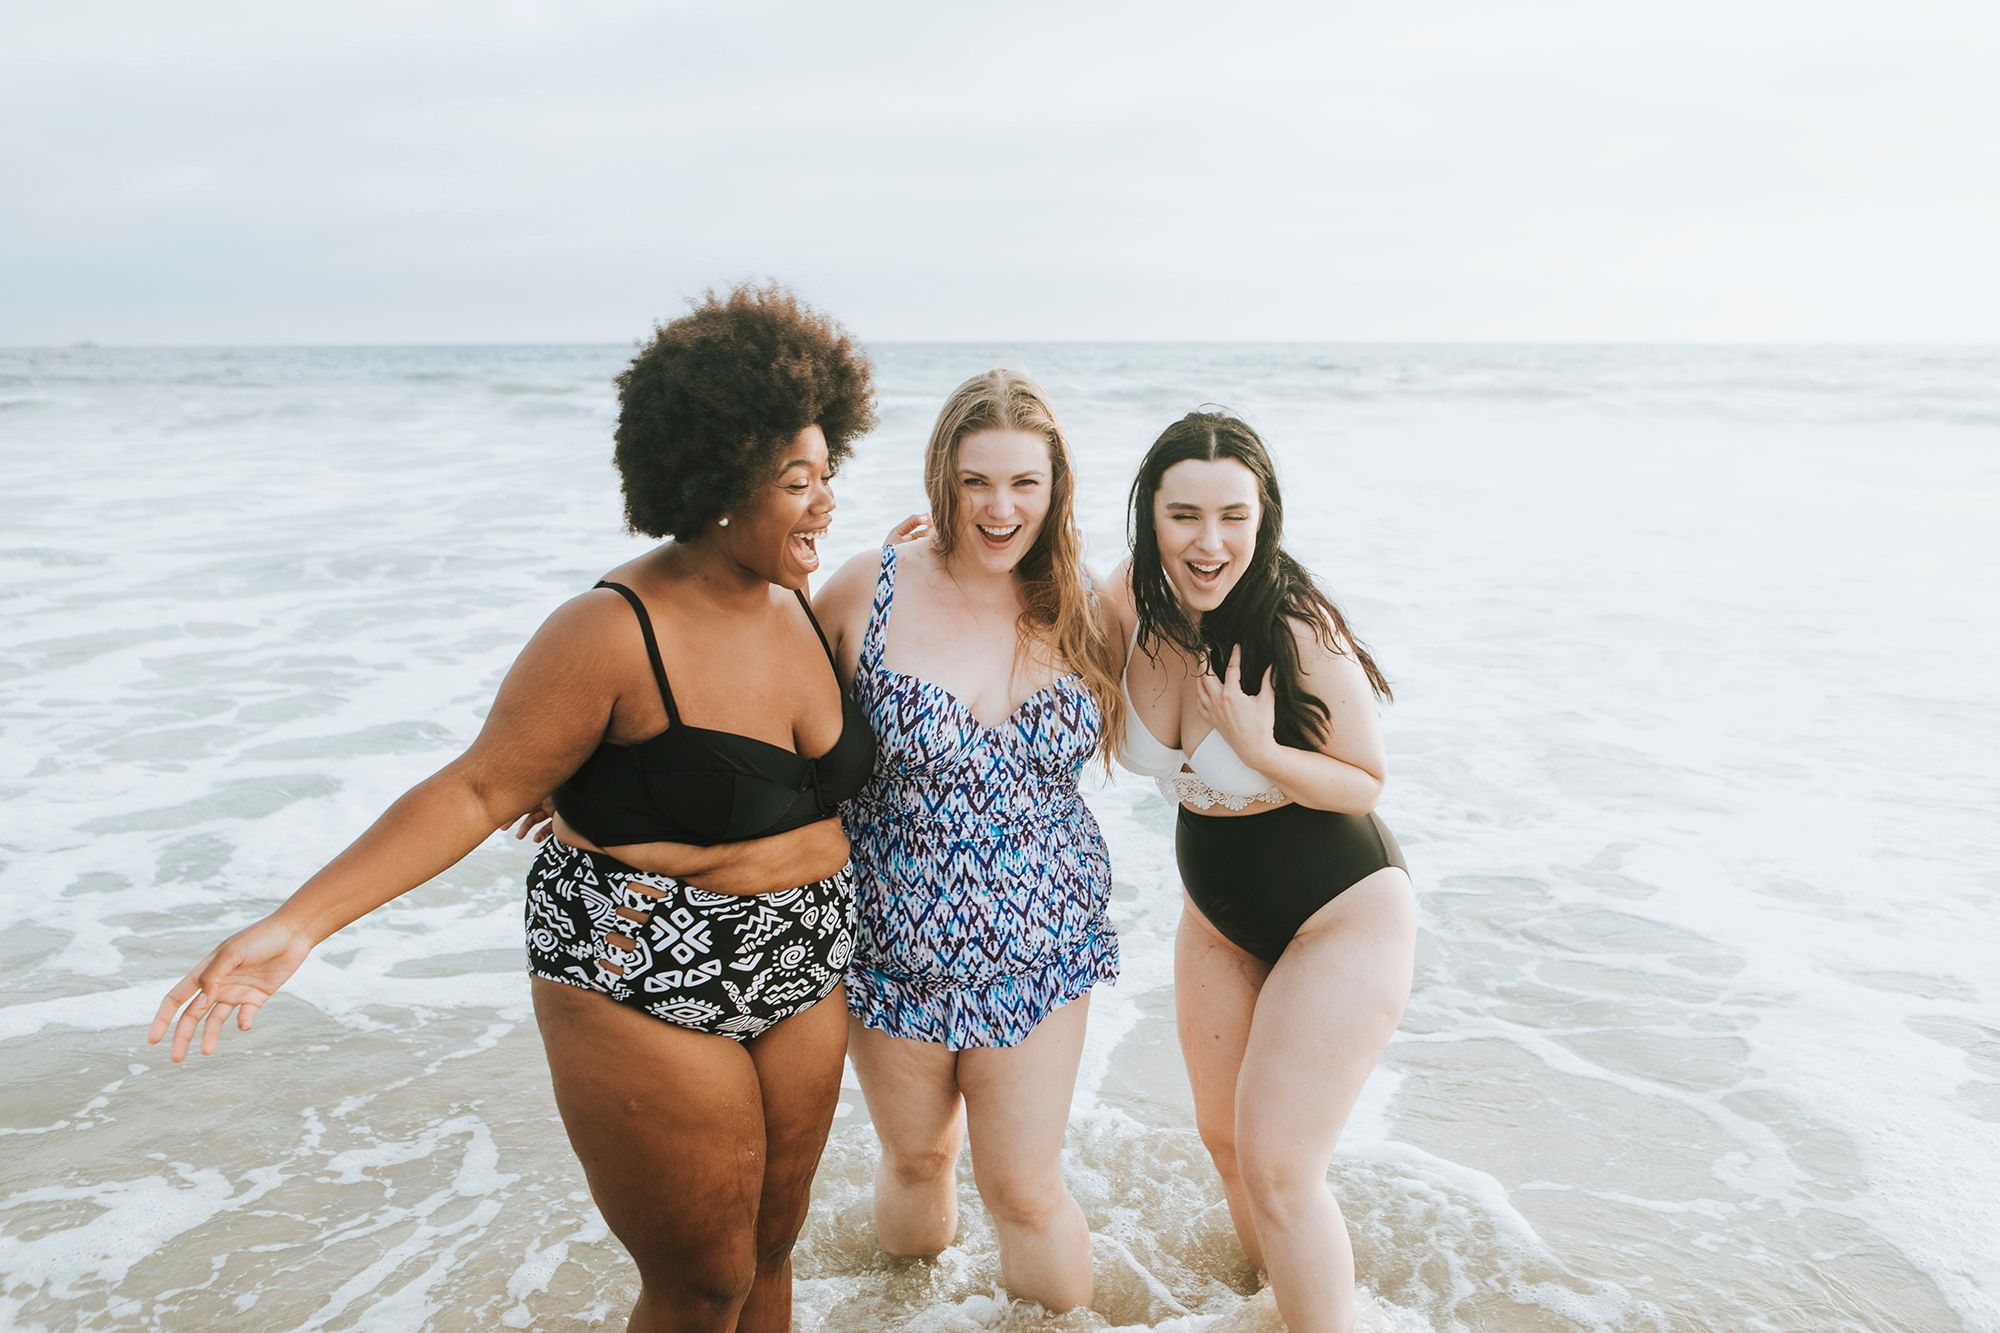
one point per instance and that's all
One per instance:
(85, 346)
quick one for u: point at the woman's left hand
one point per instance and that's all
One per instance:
(1249, 722)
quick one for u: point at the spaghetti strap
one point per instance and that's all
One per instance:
(807, 606)
(652, 646)
(878, 617)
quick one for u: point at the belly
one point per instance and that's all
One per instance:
(761, 865)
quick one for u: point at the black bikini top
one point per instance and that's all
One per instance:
(702, 786)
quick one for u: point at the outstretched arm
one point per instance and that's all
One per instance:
(551, 711)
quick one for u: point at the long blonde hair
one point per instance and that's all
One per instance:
(1059, 608)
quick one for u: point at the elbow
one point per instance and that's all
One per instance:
(1364, 798)
(493, 802)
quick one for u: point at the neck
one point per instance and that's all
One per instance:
(717, 577)
(980, 584)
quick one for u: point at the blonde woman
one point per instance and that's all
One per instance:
(990, 678)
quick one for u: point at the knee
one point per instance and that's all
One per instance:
(1279, 1184)
(912, 1170)
(714, 1283)
(1026, 1201)
(1220, 1140)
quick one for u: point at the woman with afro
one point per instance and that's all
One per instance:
(690, 919)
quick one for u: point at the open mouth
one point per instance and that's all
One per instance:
(997, 538)
(1205, 574)
(805, 548)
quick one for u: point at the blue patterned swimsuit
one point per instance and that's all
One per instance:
(981, 876)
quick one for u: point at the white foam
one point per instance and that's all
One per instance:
(1691, 763)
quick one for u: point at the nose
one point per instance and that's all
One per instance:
(1001, 505)
(823, 501)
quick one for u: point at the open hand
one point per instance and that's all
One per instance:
(240, 974)
(911, 528)
(1249, 722)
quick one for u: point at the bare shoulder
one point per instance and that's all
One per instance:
(1115, 592)
(849, 589)
(1326, 659)
(589, 625)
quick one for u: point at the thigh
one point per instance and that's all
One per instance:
(1324, 1015)
(668, 1124)
(911, 1088)
(1215, 998)
(1017, 1098)
(798, 1066)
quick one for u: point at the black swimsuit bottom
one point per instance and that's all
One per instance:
(732, 965)
(1258, 878)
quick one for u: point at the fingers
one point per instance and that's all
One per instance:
(1207, 698)
(1232, 676)
(182, 991)
(211, 1028)
(184, 1030)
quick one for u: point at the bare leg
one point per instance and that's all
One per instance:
(669, 1126)
(798, 1073)
(1323, 1017)
(912, 1092)
(1215, 996)
(1017, 1102)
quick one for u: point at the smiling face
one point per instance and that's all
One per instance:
(1002, 491)
(1205, 513)
(777, 534)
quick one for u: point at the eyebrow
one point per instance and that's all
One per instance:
(1196, 509)
(966, 472)
(796, 462)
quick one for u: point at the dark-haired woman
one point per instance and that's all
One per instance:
(690, 919)
(1254, 708)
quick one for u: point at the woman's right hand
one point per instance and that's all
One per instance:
(911, 528)
(241, 973)
(540, 821)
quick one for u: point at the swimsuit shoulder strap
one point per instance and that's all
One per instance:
(807, 607)
(652, 646)
(878, 614)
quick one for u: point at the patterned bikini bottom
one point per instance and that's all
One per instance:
(730, 964)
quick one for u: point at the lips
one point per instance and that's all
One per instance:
(1205, 573)
(997, 537)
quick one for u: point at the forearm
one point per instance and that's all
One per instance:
(429, 829)
(1319, 780)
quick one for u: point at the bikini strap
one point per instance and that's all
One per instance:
(878, 614)
(652, 646)
(807, 606)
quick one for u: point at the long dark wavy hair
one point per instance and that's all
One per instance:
(1272, 590)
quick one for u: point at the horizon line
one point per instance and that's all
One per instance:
(88, 344)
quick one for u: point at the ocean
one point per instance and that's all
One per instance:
(1693, 760)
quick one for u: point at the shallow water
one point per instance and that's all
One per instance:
(1692, 761)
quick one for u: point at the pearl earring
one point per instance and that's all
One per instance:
(722, 522)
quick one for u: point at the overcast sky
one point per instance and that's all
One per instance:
(1641, 170)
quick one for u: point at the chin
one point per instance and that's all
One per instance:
(1202, 600)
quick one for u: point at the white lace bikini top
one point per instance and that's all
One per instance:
(1211, 776)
